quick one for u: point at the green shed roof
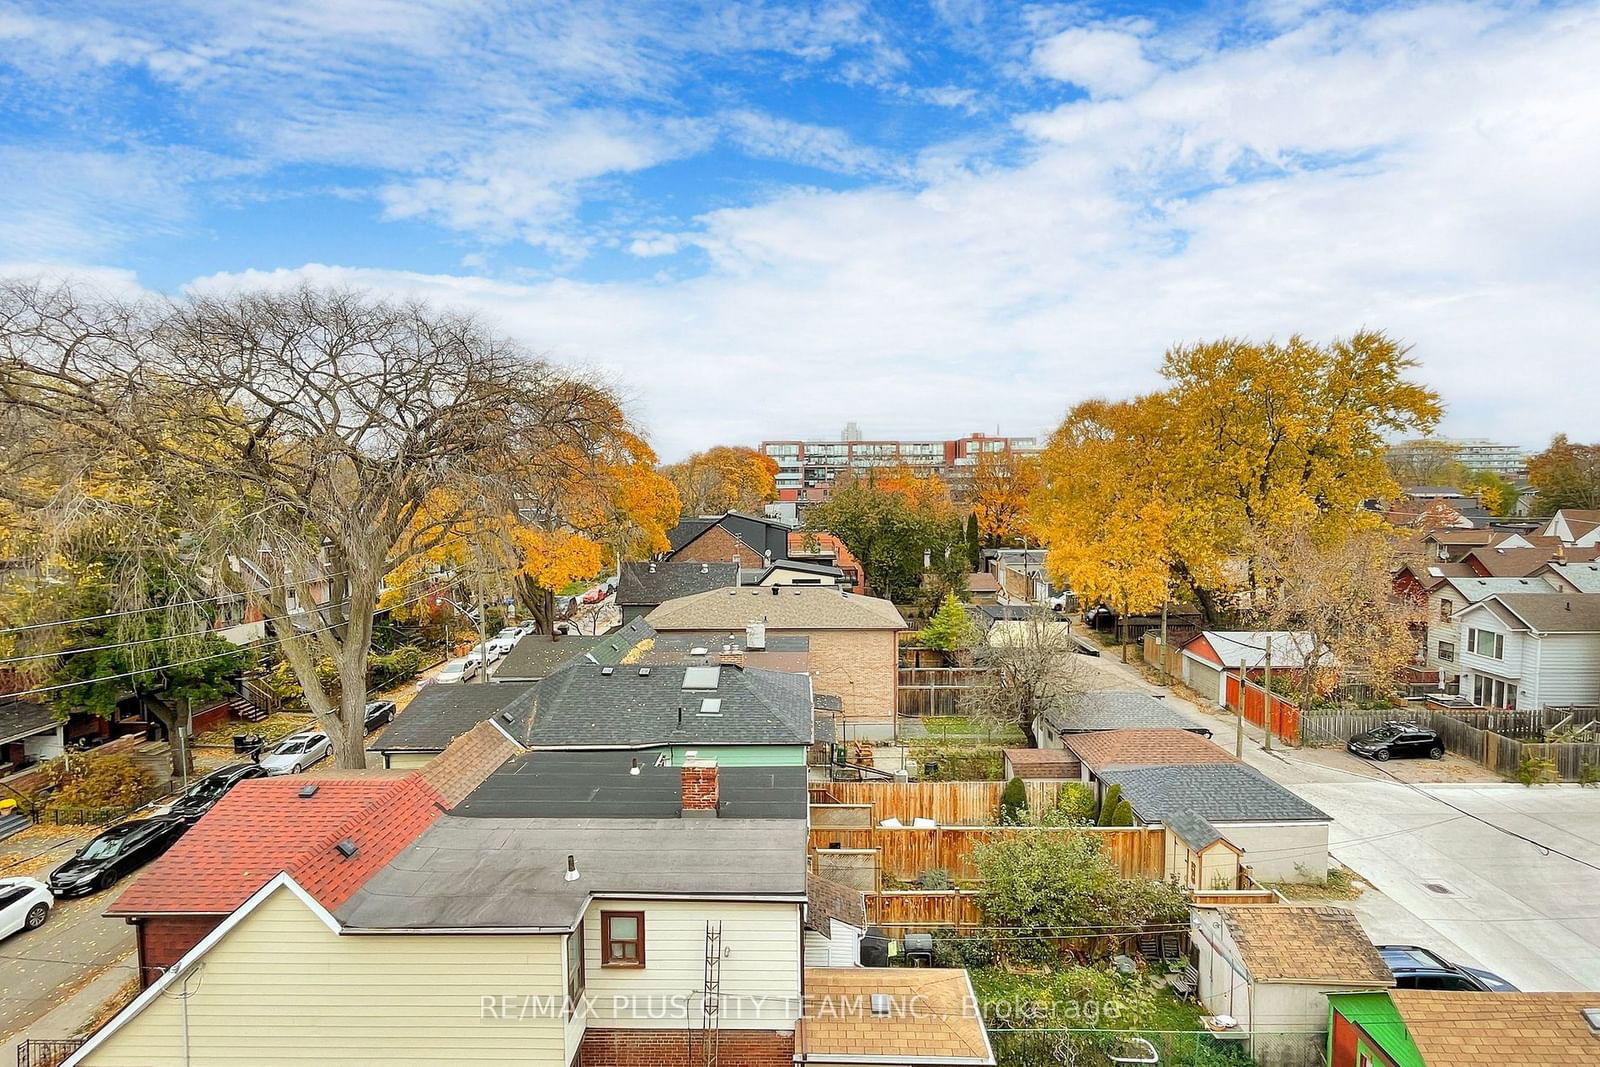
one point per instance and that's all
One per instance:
(1377, 1016)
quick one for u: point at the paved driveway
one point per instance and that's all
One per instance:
(1456, 883)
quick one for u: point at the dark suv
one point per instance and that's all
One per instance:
(204, 794)
(1417, 968)
(1397, 740)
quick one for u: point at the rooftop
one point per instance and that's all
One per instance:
(20, 718)
(1216, 792)
(930, 1015)
(441, 713)
(1248, 648)
(1553, 612)
(1042, 763)
(602, 785)
(781, 607)
(1500, 1029)
(1115, 709)
(536, 656)
(1521, 562)
(510, 874)
(590, 706)
(263, 827)
(1144, 748)
(1305, 943)
(657, 582)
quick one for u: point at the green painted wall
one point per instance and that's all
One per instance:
(744, 755)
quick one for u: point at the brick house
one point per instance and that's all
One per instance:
(854, 650)
(749, 540)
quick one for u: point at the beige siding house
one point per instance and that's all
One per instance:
(853, 640)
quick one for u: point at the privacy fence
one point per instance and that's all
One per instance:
(946, 803)
(1497, 739)
(906, 854)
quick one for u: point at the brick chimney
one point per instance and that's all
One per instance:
(700, 789)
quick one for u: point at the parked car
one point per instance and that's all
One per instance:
(114, 853)
(457, 670)
(527, 629)
(378, 713)
(595, 595)
(1397, 739)
(25, 904)
(204, 794)
(1418, 968)
(499, 646)
(294, 754)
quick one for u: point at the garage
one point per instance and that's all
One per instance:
(1204, 678)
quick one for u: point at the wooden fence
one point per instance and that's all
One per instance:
(1259, 704)
(907, 911)
(1478, 734)
(946, 803)
(905, 854)
(925, 691)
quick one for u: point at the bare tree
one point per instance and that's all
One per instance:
(1340, 591)
(307, 443)
(1031, 668)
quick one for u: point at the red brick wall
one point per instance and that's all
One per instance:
(717, 545)
(669, 1048)
(700, 788)
(164, 939)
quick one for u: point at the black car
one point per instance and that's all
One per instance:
(1399, 740)
(114, 853)
(1417, 968)
(204, 794)
(378, 713)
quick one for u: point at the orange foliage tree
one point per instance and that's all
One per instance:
(1001, 493)
(724, 478)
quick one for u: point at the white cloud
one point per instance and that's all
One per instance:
(1427, 170)
(804, 143)
(1103, 62)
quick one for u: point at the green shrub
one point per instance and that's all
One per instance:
(1589, 775)
(1534, 769)
(1075, 806)
(1121, 814)
(1108, 805)
(951, 628)
(935, 878)
(1014, 804)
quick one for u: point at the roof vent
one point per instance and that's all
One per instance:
(634, 770)
(606, 672)
(881, 1005)
(572, 868)
(705, 568)
(698, 651)
(505, 717)
(644, 672)
(346, 848)
(307, 791)
(652, 566)
(776, 590)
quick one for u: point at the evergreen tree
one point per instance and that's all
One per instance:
(1014, 803)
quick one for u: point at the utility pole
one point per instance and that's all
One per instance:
(483, 635)
(1165, 674)
(1238, 717)
(1266, 699)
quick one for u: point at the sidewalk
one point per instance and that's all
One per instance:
(73, 1013)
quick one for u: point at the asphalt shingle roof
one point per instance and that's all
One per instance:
(19, 718)
(1043, 763)
(1499, 1029)
(1115, 709)
(1217, 792)
(1318, 943)
(584, 705)
(655, 583)
(441, 713)
(933, 1016)
(1585, 576)
(798, 607)
(536, 656)
(593, 785)
(1144, 748)
(1555, 612)
(510, 873)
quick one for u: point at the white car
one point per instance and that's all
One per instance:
(25, 904)
(294, 754)
(457, 670)
(499, 646)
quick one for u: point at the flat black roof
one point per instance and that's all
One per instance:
(599, 785)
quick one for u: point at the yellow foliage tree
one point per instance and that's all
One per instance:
(1001, 492)
(724, 478)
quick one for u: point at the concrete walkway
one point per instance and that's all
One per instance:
(68, 1018)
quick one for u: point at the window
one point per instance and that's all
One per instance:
(622, 934)
(1486, 643)
(1447, 608)
(1447, 651)
(1493, 693)
(575, 981)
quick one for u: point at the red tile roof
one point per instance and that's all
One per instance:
(264, 827)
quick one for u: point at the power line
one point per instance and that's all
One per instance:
(197, 659)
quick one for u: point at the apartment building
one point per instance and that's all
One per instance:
(806, 466)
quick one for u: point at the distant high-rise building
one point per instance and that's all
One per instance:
(1473, 453)
(807, 469)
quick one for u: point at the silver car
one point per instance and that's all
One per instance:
(294, 754)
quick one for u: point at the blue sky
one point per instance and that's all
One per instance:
(766, 219)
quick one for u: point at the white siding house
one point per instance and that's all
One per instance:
(1447, 598)
(1531, 650)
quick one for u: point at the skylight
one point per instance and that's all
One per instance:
(702, 677)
